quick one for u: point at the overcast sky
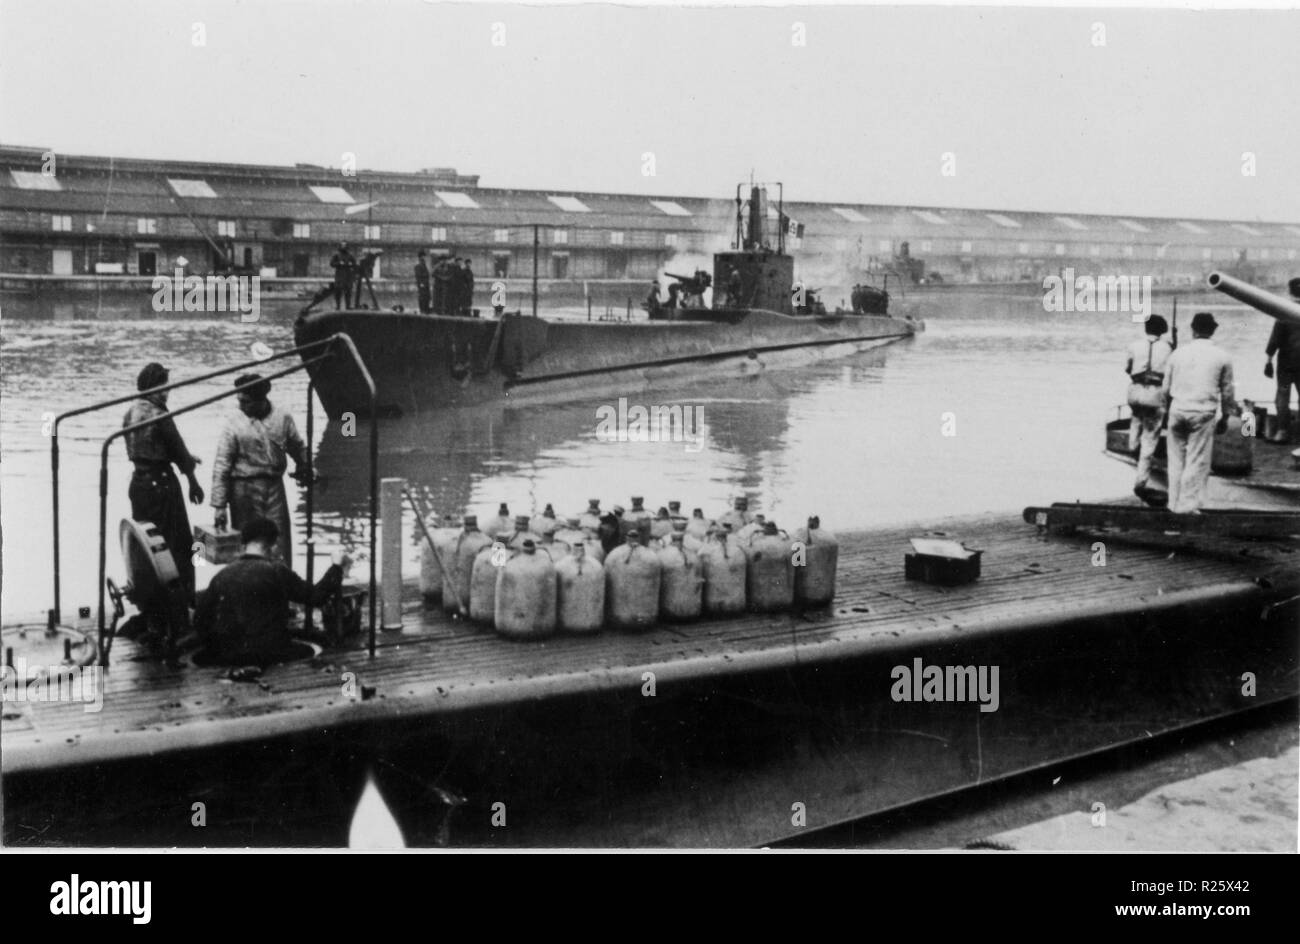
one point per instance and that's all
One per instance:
(1036, 114)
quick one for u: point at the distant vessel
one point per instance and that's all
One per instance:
(424, 362)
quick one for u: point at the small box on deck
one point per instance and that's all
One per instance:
(219, 547)
(943, 562)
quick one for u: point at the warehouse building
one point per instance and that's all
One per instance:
(78, 216)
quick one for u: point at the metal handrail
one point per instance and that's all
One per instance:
(117, 401)
(374, 462)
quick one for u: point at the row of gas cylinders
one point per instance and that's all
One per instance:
(528, 584)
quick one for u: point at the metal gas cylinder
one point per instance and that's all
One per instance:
(632, 585)
(738, 516)
(580, 597)
(637, 519)
(501, 524)
(483, 582)
(430, 569)
(689, 540)
(525, 595)
(752, 530)
(545, 525)
(698, 525)
(675, 513)
(661, 526)
(681, 582)
(814, 578)
(517, 535)
(459, 560)
(770, 585)
(589, 520)
(723, 565)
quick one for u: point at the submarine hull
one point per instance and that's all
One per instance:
(423, 362)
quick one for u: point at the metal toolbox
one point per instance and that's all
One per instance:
(940, 561)
(219, 547)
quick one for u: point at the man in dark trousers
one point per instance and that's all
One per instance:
(345, 270)
(422, 283)
(1285, 343)
(467, 287)
(155, 491)
(455, 284)
(439, 285)
(243, 616)
(364, 277)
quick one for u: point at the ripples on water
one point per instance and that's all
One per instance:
(859, 442)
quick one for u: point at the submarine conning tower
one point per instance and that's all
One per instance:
(758, 255)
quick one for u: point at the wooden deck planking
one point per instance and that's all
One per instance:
(436, 666)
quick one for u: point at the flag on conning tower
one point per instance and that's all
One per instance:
(791, 227)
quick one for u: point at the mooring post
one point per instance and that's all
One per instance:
(390, 513)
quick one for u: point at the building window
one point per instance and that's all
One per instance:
(438, 234)
(1263, 253)
(1023, 249)
(926, 246)
(1160, 251)
(560, 236)
(616, 239)
(301, 230)
(670, 239)
(372, 232)
(146, 225)
(885, 245)
(841, 245)
(1206, 253)
(1128, 251)
(1094, 250)
(225, 227)
(61, 224)
(501, 235)
(1060, 249)
(501, 265)
(966, 246)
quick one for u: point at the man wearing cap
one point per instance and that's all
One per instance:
(248, 473)
(1285, 343)
(1197, 385)
(345, 270)
(1146, 363)
(243, 615)
(155, 491)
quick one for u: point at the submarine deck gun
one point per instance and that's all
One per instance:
(1283, 309)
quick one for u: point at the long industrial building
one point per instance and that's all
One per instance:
(77, 216)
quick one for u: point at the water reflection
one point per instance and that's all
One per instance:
(860, 442)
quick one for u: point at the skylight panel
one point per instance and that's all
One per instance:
(331, 194)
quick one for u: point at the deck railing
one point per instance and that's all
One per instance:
(327, 347)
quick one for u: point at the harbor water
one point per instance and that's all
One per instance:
(997, 405)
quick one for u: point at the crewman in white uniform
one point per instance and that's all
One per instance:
(1197, 388)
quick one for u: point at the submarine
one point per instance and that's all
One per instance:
(764, 320)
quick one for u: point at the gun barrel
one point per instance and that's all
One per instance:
(1282, 309)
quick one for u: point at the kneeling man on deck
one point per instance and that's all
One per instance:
(243, 616)
(1198, 383)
